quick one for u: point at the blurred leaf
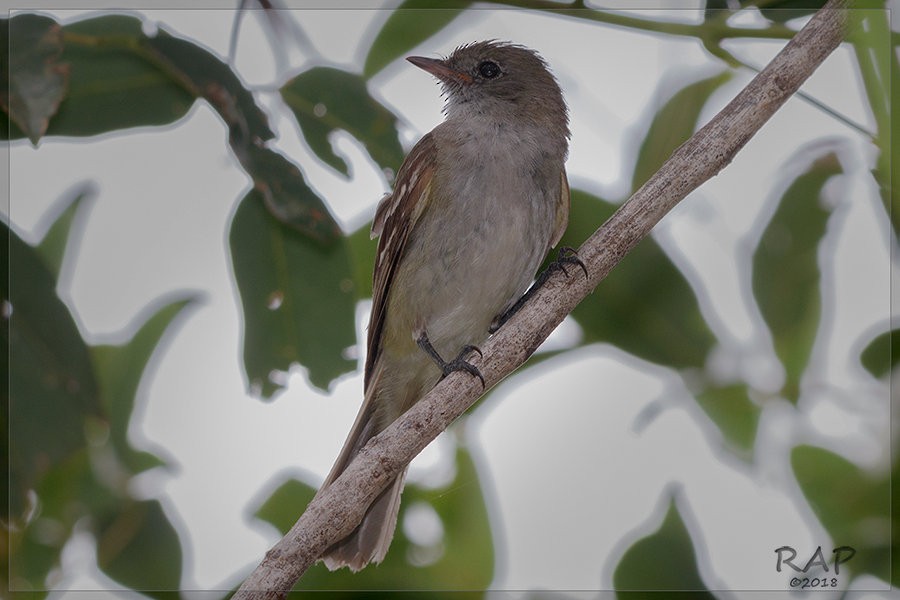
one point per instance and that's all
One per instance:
(4, 79)
(325, 100)
(33, 71)
(735, 414)
(779, 11)
(645, 306)
(66, 495)
(882, 353)
(208, 76)
(10, 495)
(34, 550)
(287, 196)
(286, 504)
(119, 372)
(139, 548)
(895, 519)
(715, 8)
(782, 11)
(463, 560)
(890, 193)
(51, 381)
(122, 78)
(852, 504)
(786, 271)
(664, 561)
(298, 299)
(413, 22)
(53, 247)
(70, 490)
(869, 33)
(112, 85)
(362, 248)
(673, 124)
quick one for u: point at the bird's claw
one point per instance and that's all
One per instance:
(568, 255)
(457, 364)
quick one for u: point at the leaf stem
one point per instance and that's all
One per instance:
(715, 29)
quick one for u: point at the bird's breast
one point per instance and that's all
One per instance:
(476, 248)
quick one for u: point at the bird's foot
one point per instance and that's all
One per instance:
(457, 364)
(567, 256)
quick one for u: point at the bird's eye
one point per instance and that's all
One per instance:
(488, 69)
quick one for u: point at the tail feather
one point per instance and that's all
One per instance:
(370, 541)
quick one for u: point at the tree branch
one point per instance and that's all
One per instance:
(338, 509)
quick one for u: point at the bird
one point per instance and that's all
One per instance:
(477, 204)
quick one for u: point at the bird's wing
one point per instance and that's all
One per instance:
(395, 217)
(562, 210)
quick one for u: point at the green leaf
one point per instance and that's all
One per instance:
(413, 22)
(121, 78)
(51, 381)
(362, 249)
(139, 548)
(786, 272)
(298, 299)
(286, 195)
(112, 85)
(119, 371)
(882, 353)
(68, 493)
(36, 76)
(664, 561)
(13, 491)
(715, 9)
(4, 80)
(463, 559)
(673, 124)
(853, 505)
(53, 247)
(285, 505)
(895, 521)
(325, 100)
(735, 414)
(869, 33)
(80, 487)
(645, 306)
(782, 11)
(468, 559)
(34, 550)
(779, 11)
(207, 76)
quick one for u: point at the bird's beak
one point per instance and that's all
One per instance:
(440, 70)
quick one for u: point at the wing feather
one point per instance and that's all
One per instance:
(562, 210)
(395, 217)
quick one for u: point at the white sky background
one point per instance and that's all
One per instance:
(569, 480)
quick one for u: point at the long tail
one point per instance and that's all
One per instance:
(369, 542)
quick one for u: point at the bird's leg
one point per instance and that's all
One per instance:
(457, 364)
(566, 256)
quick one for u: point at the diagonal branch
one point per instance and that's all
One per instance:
(338, 509)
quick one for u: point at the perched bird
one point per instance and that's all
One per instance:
(477, 204)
